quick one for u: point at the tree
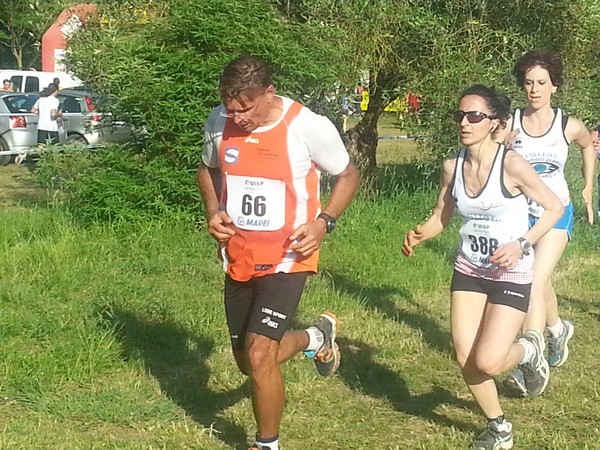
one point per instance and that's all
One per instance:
(159, 62)
(438, 47)
(24, 22)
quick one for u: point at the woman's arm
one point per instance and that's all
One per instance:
(577, 132)
(442, 212)
(520, 175)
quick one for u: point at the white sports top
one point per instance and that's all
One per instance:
(490, 218)
(45, 105)
(547, 154)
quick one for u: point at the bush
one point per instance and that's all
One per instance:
(116, 185)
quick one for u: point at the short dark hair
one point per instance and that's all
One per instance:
(5, 81)
(498, 102)
(546, 59)
(51, 89)
(244, 73)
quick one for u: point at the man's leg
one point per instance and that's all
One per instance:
(267, 344)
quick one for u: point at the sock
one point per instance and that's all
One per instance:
(315, 341)
(529, 351)
(498, 419)
(557, 329)
(267, 443)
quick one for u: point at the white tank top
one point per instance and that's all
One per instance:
(547, 154)
(490, 219)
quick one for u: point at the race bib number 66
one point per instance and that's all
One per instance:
(255, 203)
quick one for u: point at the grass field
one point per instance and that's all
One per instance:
(114, 337)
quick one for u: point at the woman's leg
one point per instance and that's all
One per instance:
(483, 335)
(543, 307)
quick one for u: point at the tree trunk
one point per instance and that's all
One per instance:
(363, 137)
(18, 54)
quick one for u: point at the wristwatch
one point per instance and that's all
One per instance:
(329, 221)
(525, 245)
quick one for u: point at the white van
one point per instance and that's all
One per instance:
(34, 81)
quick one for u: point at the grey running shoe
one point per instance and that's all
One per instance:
(515, 383)
(537, 372)
(497, 435)
(328, 356)
(558, 348)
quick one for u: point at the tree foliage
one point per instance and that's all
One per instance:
(24, 22)
(160, 64)
(437, 48)
(160, 60)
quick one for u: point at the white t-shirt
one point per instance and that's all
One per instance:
(310, 131)
(45, 105)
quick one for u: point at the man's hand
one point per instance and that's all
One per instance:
(307, 238)
(219, 227)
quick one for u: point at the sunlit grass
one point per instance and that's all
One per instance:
(115, 337)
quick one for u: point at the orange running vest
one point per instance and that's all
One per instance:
(270, 186)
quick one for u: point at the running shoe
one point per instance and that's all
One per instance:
(497, 435)
(514, 383)
(558, 348)
(327, 359)
(536, 373)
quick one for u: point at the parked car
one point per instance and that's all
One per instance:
(18, 125)
(85, 124)
(81, 122)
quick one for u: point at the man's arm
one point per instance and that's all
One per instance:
(209, 183)
(344, 190)
(310, 235)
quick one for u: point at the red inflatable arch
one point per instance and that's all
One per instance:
(56, 38)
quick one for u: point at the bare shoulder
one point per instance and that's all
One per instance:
(448, 168)
(575, 129)
(515, 164)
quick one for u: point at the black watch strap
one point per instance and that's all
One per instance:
(329, 221)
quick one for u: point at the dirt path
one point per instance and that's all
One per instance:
(17, 185)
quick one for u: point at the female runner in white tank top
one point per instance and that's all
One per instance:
(494, 266)
(542, 134)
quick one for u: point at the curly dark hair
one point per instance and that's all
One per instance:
(546, 59)
(498, 102)
(244, 73)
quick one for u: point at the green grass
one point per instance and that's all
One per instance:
(115, 337)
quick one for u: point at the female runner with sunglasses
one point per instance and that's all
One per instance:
(542, 134)
(488, 185)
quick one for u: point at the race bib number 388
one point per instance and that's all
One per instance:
(255, 203)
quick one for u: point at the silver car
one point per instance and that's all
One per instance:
(18, 125)
(83, 123)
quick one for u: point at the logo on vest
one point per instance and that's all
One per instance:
(262, 223)
(542, 167)
(231, 155)
(251, 140)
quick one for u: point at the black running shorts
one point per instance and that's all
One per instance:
(263, 305)
(498, 292)
(43, 137)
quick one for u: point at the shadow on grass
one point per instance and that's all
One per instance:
(381, 299)
(584, 306)
(361, 373)
(175, 358)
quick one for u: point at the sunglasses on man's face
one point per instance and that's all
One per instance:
(472, 116)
